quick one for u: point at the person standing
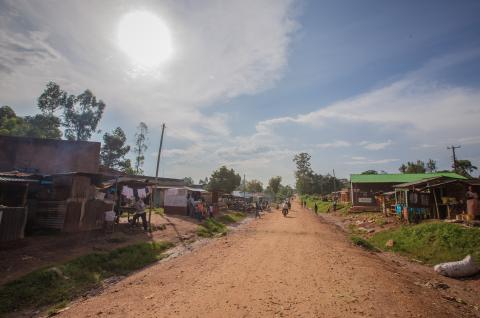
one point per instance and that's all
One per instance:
(315, 207)
(140, 213)
(472, 202)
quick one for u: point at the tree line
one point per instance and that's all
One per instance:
(78, 116)
(309, 182)
(462, 167)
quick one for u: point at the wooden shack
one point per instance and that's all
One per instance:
(364, 187)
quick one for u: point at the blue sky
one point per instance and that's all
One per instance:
(357, 84)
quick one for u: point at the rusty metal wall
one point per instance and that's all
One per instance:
(51, 214)
(72, 217)
(12, 223)
(94, 215)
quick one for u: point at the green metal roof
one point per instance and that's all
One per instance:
(400, 177)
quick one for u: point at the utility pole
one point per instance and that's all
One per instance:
(334, 185)
(452, 147)
(156, 176)
(244, 196)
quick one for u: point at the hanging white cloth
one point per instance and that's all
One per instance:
(142, 194)
(127, 192)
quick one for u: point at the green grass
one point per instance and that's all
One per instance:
(432, 242)
(359, 241)
(159, 211)
(62, 283)
(323, 206)
(233, 217)
(210, 228)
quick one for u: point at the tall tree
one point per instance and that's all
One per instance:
(303, 174)
(431, 165)
(188, 181)
(114, 151)
(224, 179)
(82, 114)
(140, 147)
(274, 184)
(52, 98)
(403, 168)
(465, 168)
(254, 186)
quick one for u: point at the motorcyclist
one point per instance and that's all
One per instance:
(285, 208)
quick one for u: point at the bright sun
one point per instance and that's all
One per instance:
(145, 39)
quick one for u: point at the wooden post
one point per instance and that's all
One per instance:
(436, 203)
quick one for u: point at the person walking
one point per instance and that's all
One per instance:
(315, 207)
(257, 210)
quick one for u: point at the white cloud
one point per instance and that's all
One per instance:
(365, 161)
(375, 145)
(334, 144)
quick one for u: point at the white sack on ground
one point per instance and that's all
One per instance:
(463, 268)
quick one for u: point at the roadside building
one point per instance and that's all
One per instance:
(364, 187)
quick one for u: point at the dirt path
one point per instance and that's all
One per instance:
(273, 267)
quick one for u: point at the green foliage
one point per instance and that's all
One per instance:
(114, 150)
(284, 192)
(465, 168)
(370, 172)
(188, 181)
(81, 115)
(432, 242)
(413, 167)
(274, 184)
(431, 165)
(233, 217)
(52, 98)
(254, 186)
(359, 241)
(211, 227)
(140, 147)
(66, 281)
(224, 180)
(38, 126)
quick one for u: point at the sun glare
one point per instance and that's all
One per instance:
(145, 38)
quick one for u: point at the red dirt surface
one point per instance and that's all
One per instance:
(299, 266)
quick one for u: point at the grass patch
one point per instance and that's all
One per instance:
(432, 242)
(233, 217)
(62, 283)
(323, 206)
(158, 211)
(359, 241)
(211, 227)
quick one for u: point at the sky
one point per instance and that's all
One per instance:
(248, 84)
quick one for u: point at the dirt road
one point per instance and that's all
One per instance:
(274, 267)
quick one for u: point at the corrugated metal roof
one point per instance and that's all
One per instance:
(400, 177)
(18, 180)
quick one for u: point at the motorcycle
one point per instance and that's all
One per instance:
(284, 212)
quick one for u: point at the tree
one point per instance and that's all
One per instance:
(284, 192)
(224, 180)
(82, 114)
(188, 181)
(44, 126)
(141, 147)
(114, 150)
(370, 172)
(303, 174)
(413, 167)
(465, 168)
(203, 181)
(254, 186)
(38, 126)
(274, 184)
(431, 165)
(52, 98)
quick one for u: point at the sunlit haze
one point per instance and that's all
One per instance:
(145, 38)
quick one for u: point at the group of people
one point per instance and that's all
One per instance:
(199, 209)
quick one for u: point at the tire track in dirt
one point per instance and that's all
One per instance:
(297, 266)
